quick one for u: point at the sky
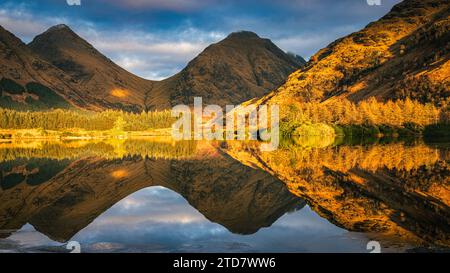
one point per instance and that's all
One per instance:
(155, 39)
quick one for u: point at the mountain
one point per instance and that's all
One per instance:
(95, 74)
(30, 83)
(238, 68)
(59, 69)
(405, 54)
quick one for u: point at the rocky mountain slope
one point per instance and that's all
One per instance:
(238, 68)
(27, 80)
(404, 54)
(95, 74)
(30, 82)
(70, 72)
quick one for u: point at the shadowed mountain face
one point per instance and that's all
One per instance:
(28, 82)
(59, 69)
(97, 75)
(238, 68)
(238, 197)
(403, 55)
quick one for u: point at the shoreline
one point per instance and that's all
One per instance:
(75, 134)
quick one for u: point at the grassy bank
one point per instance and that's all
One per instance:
(76, 133)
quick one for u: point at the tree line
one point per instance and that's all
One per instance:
(336, 112)
(368, 113)
(66, 119)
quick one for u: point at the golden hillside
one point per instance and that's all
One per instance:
(240, 67)
(403, 55)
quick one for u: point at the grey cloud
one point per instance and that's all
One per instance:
(174, 5)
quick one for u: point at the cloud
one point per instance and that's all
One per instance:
(157, 38)
(308, 43)
(154, 206)
(150, 55)
(173, 5)
(23, 24)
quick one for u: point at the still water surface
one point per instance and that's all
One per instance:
(157, 195)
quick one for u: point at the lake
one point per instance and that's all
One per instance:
(159, 195)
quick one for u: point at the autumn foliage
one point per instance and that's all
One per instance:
(366, 113)
(66, 119)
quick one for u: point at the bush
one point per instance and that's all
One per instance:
(317, 129)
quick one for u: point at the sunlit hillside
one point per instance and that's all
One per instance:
(403, 55)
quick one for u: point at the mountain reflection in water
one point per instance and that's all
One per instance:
(159, 195)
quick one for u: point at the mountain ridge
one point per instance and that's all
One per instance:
(99, 76)
(403, 55)
(238, 68)
(248, 66)
(20, 66)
